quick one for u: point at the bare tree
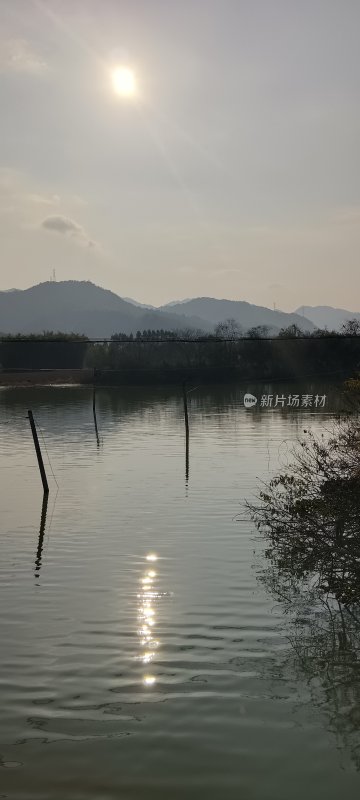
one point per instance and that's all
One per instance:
(258, 332)
(229, 329)
(351, 327)
(291, 332)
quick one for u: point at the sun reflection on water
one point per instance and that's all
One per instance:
(149, 680)
(147, 597)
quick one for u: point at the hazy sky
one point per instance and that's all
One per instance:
(234, 172)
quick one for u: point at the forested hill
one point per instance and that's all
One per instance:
(245, 314)
(82, 307)
(327, 316)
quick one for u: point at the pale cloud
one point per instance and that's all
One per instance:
(20, 199)
(18, 55)
(77, 200)
(16, 195)
(44, 199)
(350, 215)
(9, 187)
(9, 178)
(69, 228)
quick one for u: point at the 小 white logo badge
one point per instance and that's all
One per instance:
(249, 400)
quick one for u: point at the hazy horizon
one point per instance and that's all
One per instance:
(233, 171)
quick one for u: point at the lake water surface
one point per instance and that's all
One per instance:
(142, 656)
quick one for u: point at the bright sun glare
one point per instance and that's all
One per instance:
(124, 81)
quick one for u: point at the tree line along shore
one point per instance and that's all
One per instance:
(170, 355)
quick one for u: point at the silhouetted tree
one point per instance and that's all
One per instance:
(351, 327)
(258, 332)
(229, 329)
(291, 332)
(310, 518)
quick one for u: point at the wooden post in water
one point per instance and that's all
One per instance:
(38, 453)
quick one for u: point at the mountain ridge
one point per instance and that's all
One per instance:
(328, 316)
(246, 314)
(83, 307)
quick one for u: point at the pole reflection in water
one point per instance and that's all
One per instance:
(41, 534)
(186, 420)
(147, 597)
(95, 419)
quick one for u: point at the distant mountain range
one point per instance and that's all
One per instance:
(82, 307)
(328, 317)
(139, 305)
(245, 314)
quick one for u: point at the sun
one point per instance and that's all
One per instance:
(124, 81)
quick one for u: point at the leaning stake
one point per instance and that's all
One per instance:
(38, 453)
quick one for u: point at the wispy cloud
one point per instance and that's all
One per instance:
(43, 199)
(349, 215)
(69, 228)
(22, 201)
(20, 188)
(18, 196)
(18, 55)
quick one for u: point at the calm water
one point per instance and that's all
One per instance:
(124, 677)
